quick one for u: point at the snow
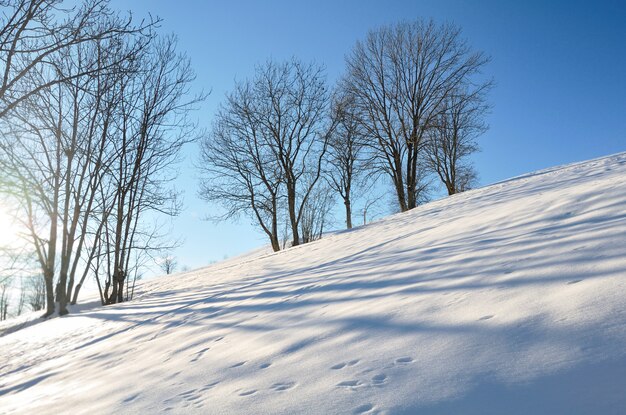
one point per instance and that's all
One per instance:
(506, 299)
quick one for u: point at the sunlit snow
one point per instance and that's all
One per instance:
(507, 299)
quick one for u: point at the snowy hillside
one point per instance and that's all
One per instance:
(507, 299)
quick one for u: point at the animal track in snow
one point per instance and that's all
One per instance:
(265, 365)
(188, 398)
(350, 384)
(379, 379)
(283, 386)
(238, 364)
(344, 364)
(208, 386)
(404, 360)
(200, 353)
(131, 398)
(363, 409)
(573, 282)
(487, 317)
(248, 392)
(191, 395)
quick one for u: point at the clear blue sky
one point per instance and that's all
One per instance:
(559, 67)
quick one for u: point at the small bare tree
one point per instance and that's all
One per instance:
(315, 216)
(14, 263)
(453, 138)
(168, 264)
(36, 293)
(5, 286)
(21, 302)
(399, 78)
(345, 154)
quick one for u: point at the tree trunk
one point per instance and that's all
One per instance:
(120, 289)
(274, 236)
(293, 219)
(76, 291)
(50, 304)
(450, 187)
(347, 203)
(62, 293)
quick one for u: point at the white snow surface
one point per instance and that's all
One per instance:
(506, 299)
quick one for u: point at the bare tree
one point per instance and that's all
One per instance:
(399, 78)
(453, 138)
(21, 302)
(268, 145)
(54, 154)
(168, 264)
(293, 108)
(152, 127)
(88, 148)
(33, 31)
(369, 205)
(238, 167)
(4, 298)
(13, 263)
(316, 214)
(36, 293)
(345, 153)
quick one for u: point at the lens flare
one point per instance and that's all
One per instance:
(9, 231)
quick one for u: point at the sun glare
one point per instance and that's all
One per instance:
(9, 231)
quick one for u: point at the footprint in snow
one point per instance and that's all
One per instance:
(248, 392)
(363, 409)
(574, 282)
(283, 386)
(190, 394)
(131, 398)
(487, 317)
(379, 379)
(238, 364)
(345, 364)
(265, 365)
(208, 386)
(199, 354)
(350, 384)
(190, 397)
(404, 360)
(219, 339)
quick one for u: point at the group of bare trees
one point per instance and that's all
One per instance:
(31, 295)
(16, 276)
(265, 155)
(93, 110)
(417, 91)
(409, 108)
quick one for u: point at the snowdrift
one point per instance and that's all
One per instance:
(506, 299)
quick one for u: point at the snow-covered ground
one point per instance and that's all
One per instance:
(507, 299)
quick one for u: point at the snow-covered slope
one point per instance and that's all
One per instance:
(507, 299)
